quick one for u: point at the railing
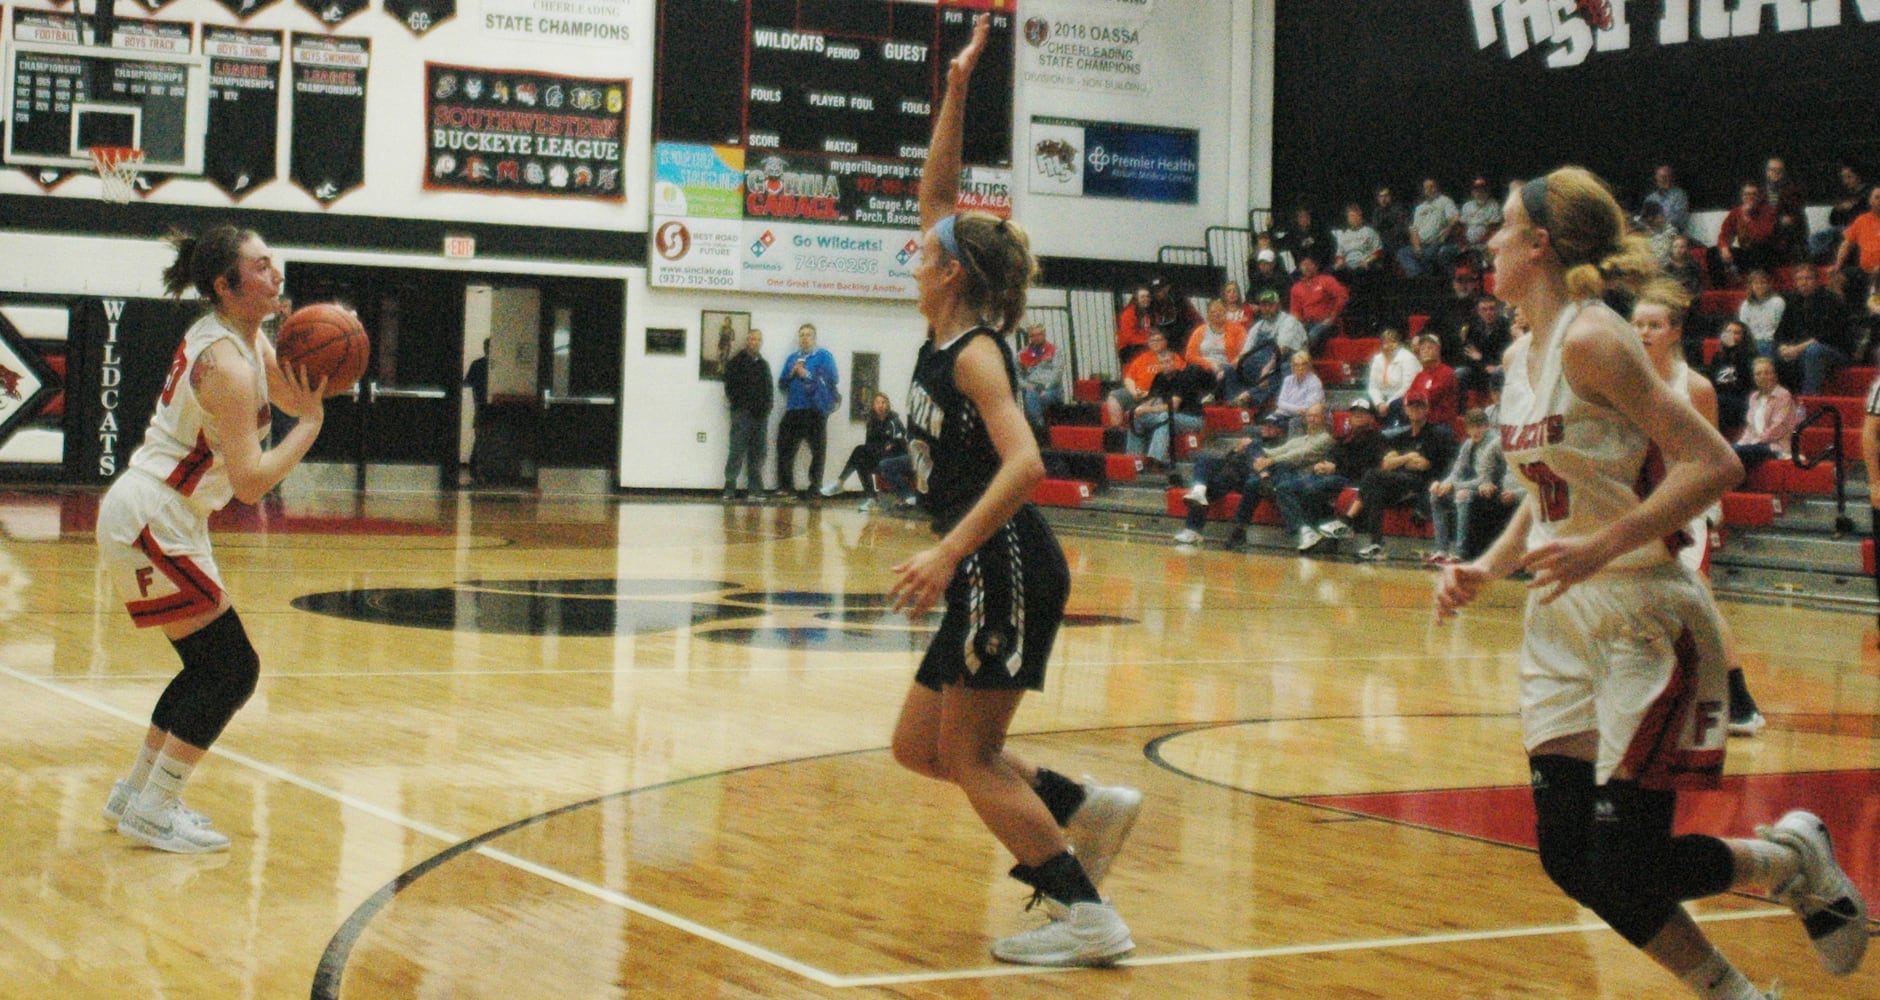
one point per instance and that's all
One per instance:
(1093, 320)
(1828, 414)
(1229, 247)
(1184, 255)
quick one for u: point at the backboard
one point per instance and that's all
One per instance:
(63, 99)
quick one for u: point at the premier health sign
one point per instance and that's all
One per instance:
(1114, 160)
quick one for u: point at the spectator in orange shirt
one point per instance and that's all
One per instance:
(1318, 300)
(1214, 345)
(1153, 360)
(1859, 256)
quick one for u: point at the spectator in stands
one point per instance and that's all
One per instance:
(1859, 256)
(1773, 416)
(1683, 268)
(1213, 345)
(1747, 239)
(1435, 382)
(1305, 496)
(1359, 252)
(1155, 358)
(1132, 328)
(1732, 373)
(1761, 311)
(1812, 338)
(1432, 226)
(1252, 380)
(1040, 375)
(1171, 312)
(1391, 220)
(1318, 301)
(1173, 407)
(1304, 239)
(1478, 464)
(886, 436)
(1484, 338)
(1847, 207)
(1239, 310)
(1447, 321)
(1267, 276)
(1481, 216)
(1246, 468)
(1663, 238)
(1780, 190)
(1299, 391)
(1417, 453)
(1669, 199)
(1392, 370)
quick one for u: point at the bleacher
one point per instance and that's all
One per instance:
(1786, 528)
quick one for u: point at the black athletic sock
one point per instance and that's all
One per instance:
(1061, 795)
(1062, 878)
(1742, 706)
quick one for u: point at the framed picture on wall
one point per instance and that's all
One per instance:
(721, 334)
(665, 340)
(864, 381)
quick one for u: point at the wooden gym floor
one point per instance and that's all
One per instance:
(520, 747)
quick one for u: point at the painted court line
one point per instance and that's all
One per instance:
(502, 857)
(809, 972)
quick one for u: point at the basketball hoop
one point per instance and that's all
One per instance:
(117, 167)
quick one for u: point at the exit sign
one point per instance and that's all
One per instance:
(460, 245)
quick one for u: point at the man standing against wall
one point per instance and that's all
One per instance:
(748, 393)
(809, 386)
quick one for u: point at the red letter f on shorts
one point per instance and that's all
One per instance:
(144, 573)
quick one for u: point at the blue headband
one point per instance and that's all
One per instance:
(949, 241)
(1534, 201)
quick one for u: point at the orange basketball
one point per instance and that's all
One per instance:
(328, 340)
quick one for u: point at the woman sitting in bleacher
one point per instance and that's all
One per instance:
(1214, 345)
(1772, 418)
(1761, 311)
(1392, 370)
(1731, 373)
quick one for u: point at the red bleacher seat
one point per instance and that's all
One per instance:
(1061, 493)
(1226, 418)
(1866, 557)
(1184, 445)
(1720, 301)
(1781, 476)
(1353, 350)
(1417, 321)
(1077, 438)
(1815, 441)
(1122, 468)
(1087, 390)
(1332, 371)
(1852, 408)
(1750, 510)
(1854, 381)
(1398, 522)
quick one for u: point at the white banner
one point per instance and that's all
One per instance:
(617, 24)
(1093, 47)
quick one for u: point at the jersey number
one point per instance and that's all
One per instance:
(1549, 488)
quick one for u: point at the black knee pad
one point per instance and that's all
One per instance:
(220, 669)
(1632, 874)
(1564, 795)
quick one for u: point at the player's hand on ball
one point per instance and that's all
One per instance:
(298, 398)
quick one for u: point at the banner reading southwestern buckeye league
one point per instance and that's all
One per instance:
(794, 224)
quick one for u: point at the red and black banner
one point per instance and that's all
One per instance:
(327, 153)
(421, 15)
(508, 132)
(244, 108)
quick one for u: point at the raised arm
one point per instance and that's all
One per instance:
(940, 176)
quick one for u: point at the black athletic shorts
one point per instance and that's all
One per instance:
(1004, 607)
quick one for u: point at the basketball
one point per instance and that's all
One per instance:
(328, 340)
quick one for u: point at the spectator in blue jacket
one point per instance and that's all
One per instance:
(808, 383)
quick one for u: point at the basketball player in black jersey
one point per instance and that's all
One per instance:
(1001, 572)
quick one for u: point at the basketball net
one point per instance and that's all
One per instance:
(118, 167)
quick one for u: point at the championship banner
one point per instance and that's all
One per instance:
(1088, 45)
(421, 15)
(40, 27)
(327, 152)
(119, 355)
(246, 9)
(332, 12)
(609, 23)
(168, 37)
(509, 132)
(244, 107)
(1111, 160)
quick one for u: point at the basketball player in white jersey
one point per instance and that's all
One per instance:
(203, 447)
(1622, 665)
(996, 563)
(1658, 317)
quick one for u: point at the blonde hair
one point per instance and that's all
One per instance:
(1589, 233)
(1669, 294)
(995, 256)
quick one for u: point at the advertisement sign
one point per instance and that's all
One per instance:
(1115, 160)
(704, 182)
(511, 132)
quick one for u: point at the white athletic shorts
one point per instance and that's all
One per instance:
(1637, 656)
(156, 548)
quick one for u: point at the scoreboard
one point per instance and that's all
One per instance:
(828, 77)
(62, 99)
